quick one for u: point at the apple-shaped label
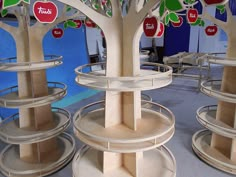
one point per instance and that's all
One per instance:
(57, 33)
(215, 2)
(89, 23)
(178, 24)
(192, 15)
(78, 23)
(45, 11)
(150, 26)
(211, 30)
(161, 30)
(103, 2)
(102, 34)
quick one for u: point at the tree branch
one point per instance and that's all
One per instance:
(207, 16)
(92, 14)
(229, 13)
(116, 8)
(8, 28)
(144, 11)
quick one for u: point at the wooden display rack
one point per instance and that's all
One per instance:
(216, 145)
(126, 139)
(38, 145)
(185, 61)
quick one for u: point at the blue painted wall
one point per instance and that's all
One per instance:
(71, 46)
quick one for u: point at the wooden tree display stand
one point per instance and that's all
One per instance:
(216, 145)
(38, 145)
(116, 149)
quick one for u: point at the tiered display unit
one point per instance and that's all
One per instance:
(216, 145)
(118, 150)
(38, 145)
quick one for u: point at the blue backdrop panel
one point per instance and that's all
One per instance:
(72, 46)
(176, 39)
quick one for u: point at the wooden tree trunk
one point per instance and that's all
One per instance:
(122, 107)
(226, 112)
(33, 84)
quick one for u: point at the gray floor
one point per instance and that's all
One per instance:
(183, 99)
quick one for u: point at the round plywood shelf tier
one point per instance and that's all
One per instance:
(11, 165)
(11, 133)
(207, 117)
(221, 61)
(9, 97)
(212, 88)
(155, 128)
(152, 76)
(11, 64)
(201, 146)
(157, 162)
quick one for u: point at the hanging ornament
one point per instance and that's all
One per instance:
(78, 23)
(57, 32)
(45, 11)
(211, 30)
(178, 24)
(161, 30)
(89, 23)
(215, 2)
(150, 26)
(192, 15)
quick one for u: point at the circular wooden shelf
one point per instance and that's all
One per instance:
(12, 165)
(9, 97)
(207, 117)
(11, 64)
(154, 129)
(201, 146)
(157, 162)
(212, 89)
(11, 133)
(152, 76)
(221, 61)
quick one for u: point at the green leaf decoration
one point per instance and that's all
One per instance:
(198, 22)
(173, 5)
(71, 24)
(220, 7)
(202, 23)
(95, 6)
(167, 19)
(189, 1)
(222, 11)
(68, 8)
(109, 13)
(174, 17)
(27, 1)
(4, 12)
(162, 8)
(9, 3)
(65, 25)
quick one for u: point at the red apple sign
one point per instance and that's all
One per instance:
(192, 15)
(78, 22)
(161, 30)
(215, 2)
(57, 32)
(178, 24)
(45, 11)
(150, 26)
(211, 30)
(89, 23)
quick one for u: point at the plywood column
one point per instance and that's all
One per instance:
(33, 84)
(226, 111)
